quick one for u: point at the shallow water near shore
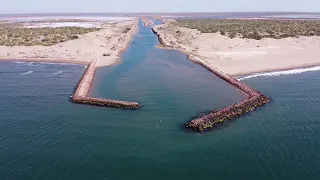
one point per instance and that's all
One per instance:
(44, 136)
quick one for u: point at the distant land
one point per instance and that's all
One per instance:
(160, 13)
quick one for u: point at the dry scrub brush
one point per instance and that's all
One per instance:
(254, 29)
(15, 36)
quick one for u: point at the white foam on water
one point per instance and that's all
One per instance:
(20, 62)
(58, 72)
(29, 72)
(279, 73)
(31, 64)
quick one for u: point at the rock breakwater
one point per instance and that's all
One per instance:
(81, 92)
(253, 98)
(147, 21)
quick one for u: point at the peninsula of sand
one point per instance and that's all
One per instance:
(35, 42)
(95, 46)
(253, 99)
(239, 47)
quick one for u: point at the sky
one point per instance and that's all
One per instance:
(111, 6)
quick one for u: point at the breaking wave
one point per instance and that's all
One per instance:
(58, 72)
(29, 72)
(20, 62)
(279, 73)
(31, 64)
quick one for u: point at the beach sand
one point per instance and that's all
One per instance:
(110, 40)
(241, 56)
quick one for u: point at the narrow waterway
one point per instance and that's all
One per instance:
(170, 87)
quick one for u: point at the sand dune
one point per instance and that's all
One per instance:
(110, 42)
(242, 56)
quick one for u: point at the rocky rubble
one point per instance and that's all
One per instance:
(253, 100)
(81, 91)
(146, 21)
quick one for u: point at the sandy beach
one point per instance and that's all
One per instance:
(105, 45)
(240, 56)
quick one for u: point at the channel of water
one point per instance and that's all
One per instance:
(164, 81)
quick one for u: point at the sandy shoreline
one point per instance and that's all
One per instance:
(246, 73)
(105, 45)
(238, 57)
(302, 66)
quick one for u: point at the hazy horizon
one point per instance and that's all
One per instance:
(165, 6)
(124, 13)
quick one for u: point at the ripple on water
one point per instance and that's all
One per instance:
(45, 137)
(29, 72)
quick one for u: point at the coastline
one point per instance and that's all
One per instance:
(247, 73)
(119, 35)
(253, 98)
(240, 57)
(82, 89)
(302, 66)
(111, 41)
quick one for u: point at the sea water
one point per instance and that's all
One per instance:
(45, 136)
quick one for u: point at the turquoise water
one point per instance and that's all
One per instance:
(44, 136)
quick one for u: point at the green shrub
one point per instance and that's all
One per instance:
(12, 36)
(254, 29)
(126, 30)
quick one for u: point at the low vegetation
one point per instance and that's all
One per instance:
(17, 36)
(126, 30)
(254, 29)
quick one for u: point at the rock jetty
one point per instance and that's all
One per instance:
(253, 100)
(81, 91)
(147, 21)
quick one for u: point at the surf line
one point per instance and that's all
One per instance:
(280, 73)
(80, 94)
(29, 72)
